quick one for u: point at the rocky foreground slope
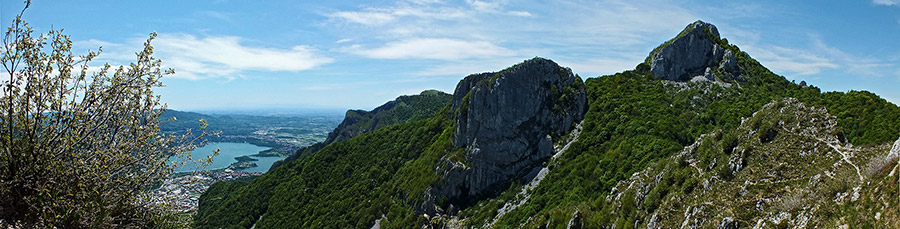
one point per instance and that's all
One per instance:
(788, 165)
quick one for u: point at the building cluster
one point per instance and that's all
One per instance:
(182, 193)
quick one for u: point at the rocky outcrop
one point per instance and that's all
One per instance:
(694, 54)
(506, 121)
(795, 179)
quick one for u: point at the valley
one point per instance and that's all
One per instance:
(248, 146)
(282, 134)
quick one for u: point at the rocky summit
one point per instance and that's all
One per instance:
(506, 122)
(694, 53)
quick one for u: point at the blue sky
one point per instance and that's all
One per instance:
(244, 55)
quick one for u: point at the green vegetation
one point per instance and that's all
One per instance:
(345, 184)
(795, 171)
(245, 159)
(79, 149)
(634, 120)
(407, 108)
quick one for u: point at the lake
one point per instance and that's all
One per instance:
(227, 152)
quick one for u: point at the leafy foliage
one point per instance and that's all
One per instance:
(79, 149)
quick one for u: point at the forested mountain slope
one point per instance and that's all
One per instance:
(406, 108)
(574, 146)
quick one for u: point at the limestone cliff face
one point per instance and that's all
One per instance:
(506, 121)
(695, 52)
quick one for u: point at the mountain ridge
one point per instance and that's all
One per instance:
(405, 108)
(634, 120)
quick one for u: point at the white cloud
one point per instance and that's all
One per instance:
(432, 48)
(205, 57)
(4, 77)
(365, 18)
(424, 2)
(519, 13)
(886, 2)
(791, 61)
(483, 5)
(420, 10)
(224, 56)
(817, 58)
(485, 29)
(112, 52)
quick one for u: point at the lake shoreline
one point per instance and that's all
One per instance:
(234, 156)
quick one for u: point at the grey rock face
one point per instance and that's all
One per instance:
(505, 121)
(691, 53)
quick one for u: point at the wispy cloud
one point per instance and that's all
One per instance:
(206, 57)
(790, 61)
(816, 58)
(887, 2)
(473, 36)
(519, 13)
(224, 56)
(433, 48)
(365, 18)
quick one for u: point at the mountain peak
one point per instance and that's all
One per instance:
(697, 53)
(703, 26)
